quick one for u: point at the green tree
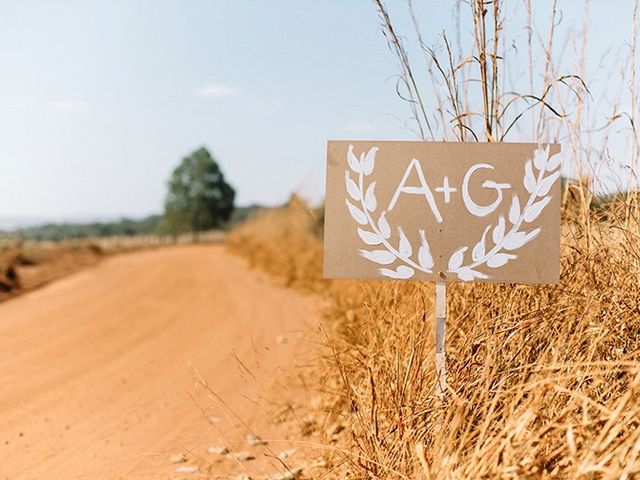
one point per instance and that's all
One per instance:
(198, 196)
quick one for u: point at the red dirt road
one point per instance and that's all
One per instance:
(98, 370)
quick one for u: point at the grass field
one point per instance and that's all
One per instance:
(544, 381)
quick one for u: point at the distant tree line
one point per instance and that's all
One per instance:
(198, 199)
(63, 231)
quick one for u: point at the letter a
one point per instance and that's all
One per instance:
(423, 189)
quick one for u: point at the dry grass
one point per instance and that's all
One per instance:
(26, 266)
(544, 381)
(284, 242)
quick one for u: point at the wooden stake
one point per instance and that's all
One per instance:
(441, 326)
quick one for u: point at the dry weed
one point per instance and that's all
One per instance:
(544, 381)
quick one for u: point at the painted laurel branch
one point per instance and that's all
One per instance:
(378, 232)
(507, 236)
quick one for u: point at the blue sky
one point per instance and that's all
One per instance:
(100, 100)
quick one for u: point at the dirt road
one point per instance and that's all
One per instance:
(99, 370)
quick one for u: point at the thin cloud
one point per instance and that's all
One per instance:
(359, 127)
(217, 90)
(18, 100)
(70, 106)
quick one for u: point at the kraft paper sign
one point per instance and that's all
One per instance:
(443, 211)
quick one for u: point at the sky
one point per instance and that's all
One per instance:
(100, 100)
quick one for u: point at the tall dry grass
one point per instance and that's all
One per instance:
(544, 381)
(284, 242)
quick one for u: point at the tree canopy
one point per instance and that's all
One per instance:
(198, 196)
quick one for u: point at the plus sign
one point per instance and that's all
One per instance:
(446, 190)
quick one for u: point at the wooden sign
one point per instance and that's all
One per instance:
(443, 211)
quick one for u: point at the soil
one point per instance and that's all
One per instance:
(134, 367)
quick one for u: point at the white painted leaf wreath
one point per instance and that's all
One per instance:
(378, 232)
(506, 237)
(539, 176)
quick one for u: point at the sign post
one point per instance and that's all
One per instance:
(441, 328)
(445, 212)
